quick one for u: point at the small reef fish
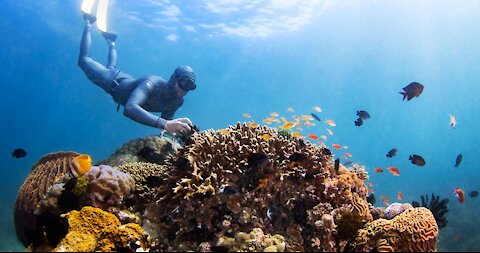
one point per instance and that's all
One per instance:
(336, 146)
(392, 152)
(317, 108)
(400, 196)
(274, 114)
(223, 131)
(287, 126)
(458, 192)
(312, 136)
(330, 132)
(378, 170)
(290, 109)
(371, 199)
(19, 153)
(246, 115)
(412, 90)
(359, 122)
(297, 135)
(473, 194)
(80, 165)
(348, 154)
(417, 160)
(337, 165)
(458, 160)
(393, 170)
(370, 184)
(266, 137)
(315, 116)
(324, 137)
(363, 114)
(252, 124)
(453, 121)
(330, 122)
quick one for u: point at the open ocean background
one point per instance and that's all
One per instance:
(258, 57)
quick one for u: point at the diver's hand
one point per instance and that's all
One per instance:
(181, 126)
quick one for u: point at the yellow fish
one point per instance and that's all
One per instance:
(287, 126)
(453, 121)
(274, 114)
(223, 131)
(246, 115)
(80, 165)
(297, 135)
(252, 124)
(266, 137)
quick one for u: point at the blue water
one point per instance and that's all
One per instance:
(259, 57)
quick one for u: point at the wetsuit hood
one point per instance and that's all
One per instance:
(183, 73)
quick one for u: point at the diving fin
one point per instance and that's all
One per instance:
(102, 10)
(87, 6)
(109, 36)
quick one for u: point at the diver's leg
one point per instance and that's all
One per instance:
(96, 72)
(112, 52)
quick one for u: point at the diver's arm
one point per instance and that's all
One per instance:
(133, 108)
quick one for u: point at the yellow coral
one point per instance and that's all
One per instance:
(413, 230)
(92, 229)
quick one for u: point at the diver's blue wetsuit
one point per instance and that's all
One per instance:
(138, 96)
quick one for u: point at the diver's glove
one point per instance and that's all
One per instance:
(180, 125)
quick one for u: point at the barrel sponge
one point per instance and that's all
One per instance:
(413, 230)
(108, 187)
(48, 171)
(92, 229)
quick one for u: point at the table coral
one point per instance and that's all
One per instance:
(92, 229)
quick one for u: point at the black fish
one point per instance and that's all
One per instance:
(19, 153)
(473, 194)
(337, 165)
(458, 160)
(392, 152)
(326, 151)
(315, 116)
(412, 90)
(363, 114)
(417, 160)
(359, 122)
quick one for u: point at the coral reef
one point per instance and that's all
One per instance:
(92, 229)
(45, 173)
(438, 208)
(414, 230)
(255, 241)
(108, 187)
(148, 178)
(152, 149)
(395, 209)
(237, 178)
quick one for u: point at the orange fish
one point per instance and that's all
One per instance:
(370, 184)
(348, 154)
(252, 124)
(274, 114)
(312, 136)
(324, 137)
(287, 126)
(307, 117)
(296, 135)
(400, 196)
(266, 137)
(378, 170)
(246, 115)
(330, 122)
(458, 192)
(290, 109)
(317, 108)
(393, 170)
(80, 165)
(384, 198)
(336, 146)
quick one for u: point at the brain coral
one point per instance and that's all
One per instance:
(108, 187)
(148, 177)
(159, 146)
(92, 229)
(236, 180)
(45, 173)
(414, 230)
